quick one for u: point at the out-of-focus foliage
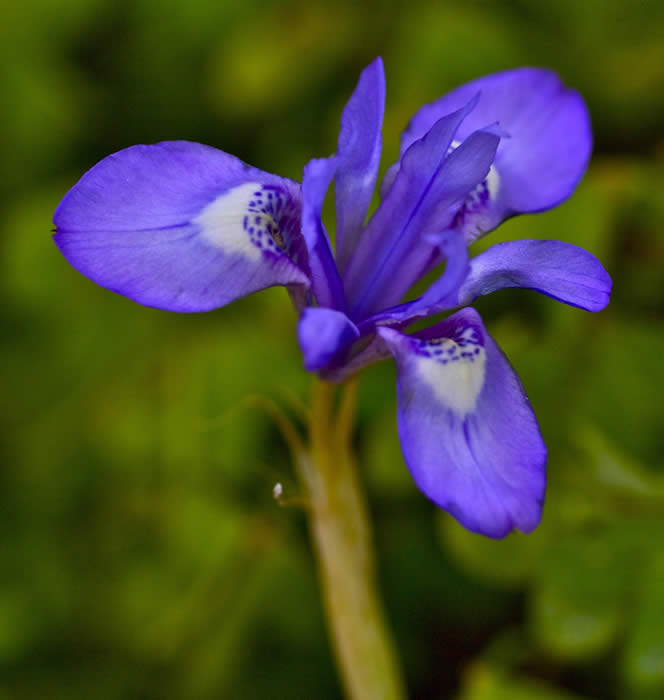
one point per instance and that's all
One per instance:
(143, 555)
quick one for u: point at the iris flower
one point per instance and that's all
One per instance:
(185, 227)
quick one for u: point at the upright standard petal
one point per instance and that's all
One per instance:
(560, 270)
(358, 152)
(384, 236)
(182, 226)
(467, 431)
(543, 159)
(394, 251)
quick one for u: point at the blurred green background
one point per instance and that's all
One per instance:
(142, 553)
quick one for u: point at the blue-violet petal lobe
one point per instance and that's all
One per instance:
(182, 227)
(467, 431)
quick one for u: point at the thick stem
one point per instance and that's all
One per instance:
(342, 540)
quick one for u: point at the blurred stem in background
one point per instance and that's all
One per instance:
(342, 540)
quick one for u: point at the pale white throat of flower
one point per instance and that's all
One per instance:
(473, 217)
(244, 221)
(454, 370)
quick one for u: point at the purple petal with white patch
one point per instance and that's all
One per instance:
(560, 270)
(539, 165)
(183, 227)
(467, 431)
(358, 152)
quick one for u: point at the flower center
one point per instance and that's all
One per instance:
(266, 208)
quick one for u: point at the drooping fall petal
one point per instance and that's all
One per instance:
(182, 227)
(467, 431)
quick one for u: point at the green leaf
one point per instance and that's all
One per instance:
(614, 472)
(577, 608)
(643, 663)
(483, 682)
(508, 562)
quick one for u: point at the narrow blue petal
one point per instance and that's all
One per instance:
(323, 333)
(545, 156)
(443, 293)
(559, 270)
(394, 251)
(467, 431)
(325, 280)
(359, 156)
(183, 227)
(444, 289)
(384, 233)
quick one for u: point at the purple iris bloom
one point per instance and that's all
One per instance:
(185, 227)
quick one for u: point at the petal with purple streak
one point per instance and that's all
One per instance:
(443, 293)
(182, 227)
(394, 251)
(543, 159)
(384, 236)
(467, 431)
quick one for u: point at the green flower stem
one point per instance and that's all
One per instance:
(341, 537)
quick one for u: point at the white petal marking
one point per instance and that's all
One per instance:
(475, 216)
(493, 182)
(454, 369)
(238, 221)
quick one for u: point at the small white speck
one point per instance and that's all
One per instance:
(277, 491)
